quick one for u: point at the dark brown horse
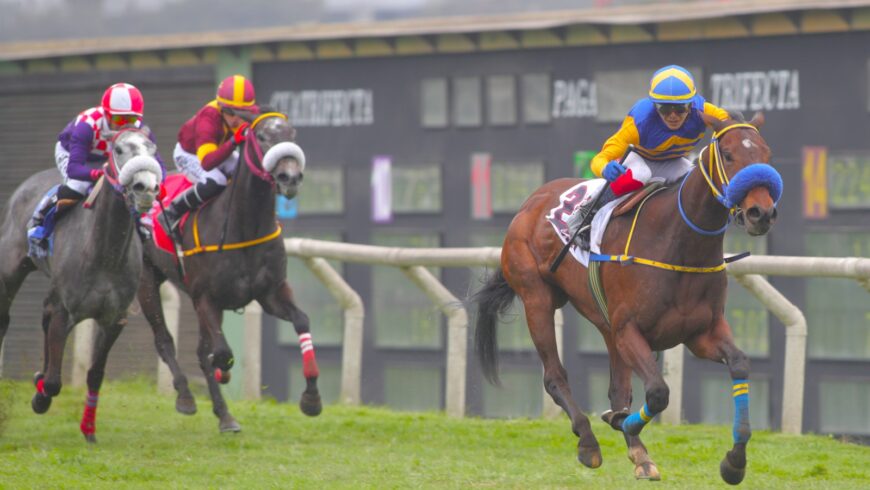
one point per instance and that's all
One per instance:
(652, 306)
(251, 266)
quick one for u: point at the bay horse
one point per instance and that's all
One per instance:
(251, 266)
(94, 266)
(670, 290)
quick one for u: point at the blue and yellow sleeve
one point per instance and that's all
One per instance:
(616, 145)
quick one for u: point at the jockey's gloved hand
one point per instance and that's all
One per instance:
(241, 132)
(613, 170)
(96, 173)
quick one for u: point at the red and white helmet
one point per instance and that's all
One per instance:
(123, 99)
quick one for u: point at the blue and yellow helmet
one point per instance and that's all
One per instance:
(672, 85)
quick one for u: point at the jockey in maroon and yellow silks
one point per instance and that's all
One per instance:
(206, 151)
(663, 128)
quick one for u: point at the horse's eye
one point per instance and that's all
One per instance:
(727, 157)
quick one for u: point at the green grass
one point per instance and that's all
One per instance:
(144, 443)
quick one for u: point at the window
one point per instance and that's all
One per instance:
(466, 102)
(501, 100)
(322, 191)
(512, 183)
(619, 90)
(834, 395)
(433, 103)
(521, 394)
(414, 388)
(745, 313)
(717, 403)
(416, 189)
(324, 312)
(838, 319)
(403, 315)
(536, 98)
(849, 181)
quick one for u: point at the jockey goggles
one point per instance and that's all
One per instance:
(667, 109)
(124, 119)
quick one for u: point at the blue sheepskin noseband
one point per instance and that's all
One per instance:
(751, 176)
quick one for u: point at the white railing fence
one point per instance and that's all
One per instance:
(748, 272)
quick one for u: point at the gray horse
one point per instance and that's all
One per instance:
(95, 265)
(251, 267)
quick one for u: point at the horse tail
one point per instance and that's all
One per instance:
(492, 300)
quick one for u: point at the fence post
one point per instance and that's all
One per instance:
(795, 348)
(171, 310)
(252, 362)
(85, 336)
(354, 316)
(457, 335)
(672, 372)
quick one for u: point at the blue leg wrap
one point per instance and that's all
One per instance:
(634, 423)
(740, 392)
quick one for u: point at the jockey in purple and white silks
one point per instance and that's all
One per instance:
(82, 148)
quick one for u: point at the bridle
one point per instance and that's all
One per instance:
(253, 149)
(715, 163)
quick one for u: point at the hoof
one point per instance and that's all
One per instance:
(185, 404)
(310, 404)
(614, 419)
(647, 471)
(221, 376)
(222, 360)
(40, 403)
(730, 473)
(589, 456)
(91, 438)
(229, 424)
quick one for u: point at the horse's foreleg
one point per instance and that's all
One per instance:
(279, 302)
(105, 341)
(620, 403)
(149, 299)
(635, 351)
(215, 359)
(718, 345)
(539, 317)
(56, 324)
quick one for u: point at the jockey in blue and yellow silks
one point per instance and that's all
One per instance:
(663, 127)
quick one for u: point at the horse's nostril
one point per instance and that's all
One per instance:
(753, 213)
(138, 187)
(284, 178)
(773, 215)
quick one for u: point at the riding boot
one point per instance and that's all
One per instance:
(43, 221)
(189, 200)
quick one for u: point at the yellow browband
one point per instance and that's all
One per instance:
(198, 248)
(267, 115)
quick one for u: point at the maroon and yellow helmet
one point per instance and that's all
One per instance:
(236, 92)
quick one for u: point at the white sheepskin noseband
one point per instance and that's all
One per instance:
(283, 150)
(138, 164)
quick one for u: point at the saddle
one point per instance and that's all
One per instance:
(638, 196)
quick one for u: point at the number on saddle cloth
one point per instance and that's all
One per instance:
(40, 227)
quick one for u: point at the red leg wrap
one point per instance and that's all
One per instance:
(40, 386)
(625, 184)
(89, 418)
(309, 365)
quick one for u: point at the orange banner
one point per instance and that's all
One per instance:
(815, 182)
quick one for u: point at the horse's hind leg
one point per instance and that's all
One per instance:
(149, 299)
(279, 302)
(105, 340)
(56, 324)
(718, 345)
(540, 307)
(620, 402)
(13, 271)
(215, 362)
